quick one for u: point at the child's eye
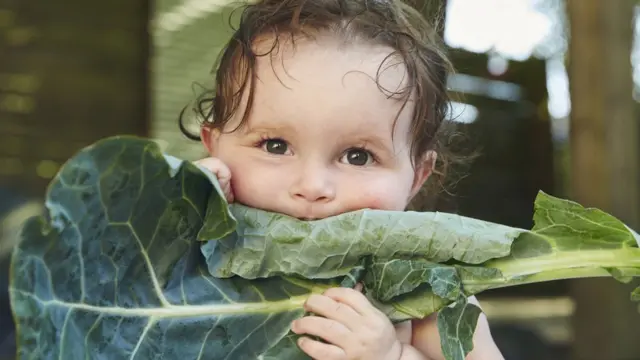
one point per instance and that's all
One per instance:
(275, 146)
(357, 157)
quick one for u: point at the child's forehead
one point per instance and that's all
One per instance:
(326, 62)
(329, 115)
(325, 84)
(298, 54)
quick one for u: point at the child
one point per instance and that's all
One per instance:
(323, 107)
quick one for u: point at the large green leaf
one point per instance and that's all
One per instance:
(267, 244)
(114, 272)
(141, 257)
(567, 241)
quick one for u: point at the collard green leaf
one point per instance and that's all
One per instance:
(267, 244)
(114, 271)
(140, 256)
(456, 325)
(572, 226)
(382, 282)
(568, 241)
(417, 265)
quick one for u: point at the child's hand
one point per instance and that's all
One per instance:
(351, 326)
(222, 172)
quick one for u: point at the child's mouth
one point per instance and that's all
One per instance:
(305, 218)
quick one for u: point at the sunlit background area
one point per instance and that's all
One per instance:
(534, 79)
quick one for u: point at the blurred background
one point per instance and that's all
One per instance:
(548, 90)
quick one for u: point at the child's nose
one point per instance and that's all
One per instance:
(314, 186)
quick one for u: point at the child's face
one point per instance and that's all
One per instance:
(321, 139)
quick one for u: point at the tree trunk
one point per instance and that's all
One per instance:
(604, 165)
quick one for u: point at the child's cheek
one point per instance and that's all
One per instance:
(380, 198)
(375, 202)
(241, 183)
(242, 190)
(379, 192)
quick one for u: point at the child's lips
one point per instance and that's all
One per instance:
(310, 216)
(315, 216)
(314, 212)
(307, 218)
(307, 212)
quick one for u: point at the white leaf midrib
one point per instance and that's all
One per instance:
(180, 311)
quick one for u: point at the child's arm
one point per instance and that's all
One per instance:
(426, 339)
(411, 353)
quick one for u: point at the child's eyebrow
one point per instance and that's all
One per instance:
(262, 128)
(374, 141)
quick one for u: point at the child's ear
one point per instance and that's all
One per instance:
(209, 138)
(424, 169)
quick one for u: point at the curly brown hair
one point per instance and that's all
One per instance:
(392, 23)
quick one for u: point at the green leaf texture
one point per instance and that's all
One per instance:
(456, 325)
(140, 257)
(267, 244)
(115, 271)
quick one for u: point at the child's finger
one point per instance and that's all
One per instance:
(228, 192)
(331, 309)
(217, 167)
(321, 351)
(222, 173)
(331, 331)
(354, 299)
